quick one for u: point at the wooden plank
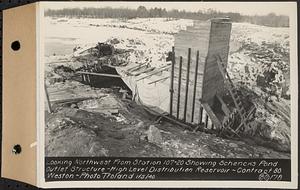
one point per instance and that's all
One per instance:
(131, 69)
(159, 80)
(159, 70)
(206, 121)
(172, 81)
(143, 71)
(212, 115)
(99, 74)
(71, 100)
(195, 85)
(86, 69)
(179, 88)
(200, 114)
(243, 122)
(177, 122)
(187, 84)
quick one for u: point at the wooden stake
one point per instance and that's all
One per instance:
(206, 121)
(172, 81)
(179, 88)
(201, 113)
(195, 85)
(86, 70)
(187, 84)
(82, 78)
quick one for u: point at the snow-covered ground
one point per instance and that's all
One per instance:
(256, 52)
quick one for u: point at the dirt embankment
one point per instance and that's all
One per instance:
(107, 125)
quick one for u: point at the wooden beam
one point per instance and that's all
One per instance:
(172, 81)
(187, 84)
(201, 113)
(82, 78)
(206, 120)
(143, 71)
(179, 87)
(212, 115)
(86, 69)
(60, 61)
(155, 72)
(99, 74)
(195, 85)
(243, 121)
(135, 67)
(177, 122)
(159, 80)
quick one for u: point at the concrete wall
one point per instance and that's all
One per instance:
(209, 38)
(218, 45)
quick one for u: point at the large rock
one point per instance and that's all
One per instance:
(154, 135)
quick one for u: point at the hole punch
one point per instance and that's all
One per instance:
(17, 149)
(15, 45)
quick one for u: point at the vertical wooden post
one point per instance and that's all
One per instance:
(179, 88)
(187, 84)
(82, 78)
(95, 67)
(91, 77)
(172, 81)
(83, 75)
(206, 120)
(201, 113)
(87, 77)
(195, 85)
(48, 99)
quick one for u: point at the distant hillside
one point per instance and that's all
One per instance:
(271, 19)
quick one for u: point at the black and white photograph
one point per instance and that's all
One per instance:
(150, 94)
(142, 79)
(168, 91)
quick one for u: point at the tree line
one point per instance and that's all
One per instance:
(141, 12)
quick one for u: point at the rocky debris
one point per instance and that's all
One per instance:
(104, 49)
(140, 124)
(264, 64)
(277, 137)
(60, 123)
(107, 105)
(67, 137)
(52, 78)
(154, 136)
(262, 69)
(233, 145)
(113, 41)
(97, 150)
(63, 71)
(88, 133)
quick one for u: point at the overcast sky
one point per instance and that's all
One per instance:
(246, 8)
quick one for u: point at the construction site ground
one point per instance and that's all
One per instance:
(107, 125)
(98, 121)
